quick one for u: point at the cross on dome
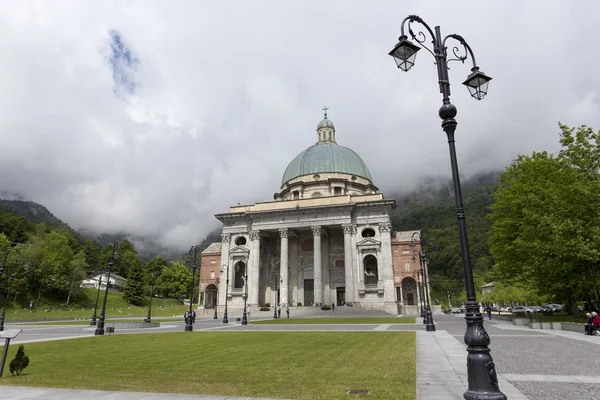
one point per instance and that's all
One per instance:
(325, 109)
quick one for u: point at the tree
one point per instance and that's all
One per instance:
(20, 362)
(543, 234)
(126, 257)
(174, 281)
(134, 288)
(155, 266)
(78, 271)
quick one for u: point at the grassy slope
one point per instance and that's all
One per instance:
(299, 365)
(116, 306)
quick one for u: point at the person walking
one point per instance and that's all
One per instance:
(488, 309)
(287, 311)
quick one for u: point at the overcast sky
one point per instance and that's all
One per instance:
(150, 117)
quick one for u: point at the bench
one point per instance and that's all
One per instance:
(110, 330)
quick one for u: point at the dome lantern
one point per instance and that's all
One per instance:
(325, 130)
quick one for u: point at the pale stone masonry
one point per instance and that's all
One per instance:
(326, 239)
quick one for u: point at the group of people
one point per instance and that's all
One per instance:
(593, 323)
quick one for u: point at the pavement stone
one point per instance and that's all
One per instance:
(559, 391)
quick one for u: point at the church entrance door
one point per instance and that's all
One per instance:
(210, 298)
(309, 292)
(340, 296)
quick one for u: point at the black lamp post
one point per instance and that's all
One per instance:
(189, 326)
(149, 318)
(244, 316)
(481, 371)
(216, 305)
(12, 277)
(93, 321)
(428, 321)
(100, 328)
(419, 285)
(275, 301)
(225, 320)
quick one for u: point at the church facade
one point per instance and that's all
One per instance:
(325, 239)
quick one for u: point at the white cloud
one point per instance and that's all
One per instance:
(228, 93)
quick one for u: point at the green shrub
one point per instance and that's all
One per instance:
(265, 309)
(326, 308)
(299, 304)
(267, 304)
(20, 362)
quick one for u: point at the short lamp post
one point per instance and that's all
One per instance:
(419, 284)
(481, 371)
(225, 270)
(12, 277)
(244, 315)
(93, 321)
(149, 318)
(189, 322)
(100, 328)
(277, 281)
(428, 321)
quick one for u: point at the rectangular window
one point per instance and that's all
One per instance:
(213, 262)
(212, 274)
(407, 266)
(337, 191)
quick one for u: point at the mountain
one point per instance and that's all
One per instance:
(147, 247)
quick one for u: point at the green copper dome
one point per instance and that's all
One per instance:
(326, 157)
(325, 123)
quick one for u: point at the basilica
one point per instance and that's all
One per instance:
(326, 238)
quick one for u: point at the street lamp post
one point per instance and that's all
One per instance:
(100, 328)
(12, 277)
(4, 262)
(428, 320)
(244, 316)
(189, 326)
(481, 371)
(225, 320)
(149, 318)
(275, 301)
(93, 321)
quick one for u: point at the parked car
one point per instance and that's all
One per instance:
(456, 311)
(554, 307)
(521, 309)
(537, 309)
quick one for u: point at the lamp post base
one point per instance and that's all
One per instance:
(99, 332)
(189, 328)
(244, 319)
(215, 316)
(225, 319)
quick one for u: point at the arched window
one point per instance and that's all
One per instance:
(370, 265)
(240, 241)
(240, 271)
(368, 233)
(295, 195)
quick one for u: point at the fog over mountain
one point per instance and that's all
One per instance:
(148, 117)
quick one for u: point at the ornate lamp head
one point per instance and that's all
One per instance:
(477, 83)
(404, 53)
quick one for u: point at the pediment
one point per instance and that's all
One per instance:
(239, 250)
(368, 242)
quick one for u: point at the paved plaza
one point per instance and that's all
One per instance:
(531, 364)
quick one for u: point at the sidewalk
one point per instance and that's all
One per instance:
(31, 393)
(442, 369)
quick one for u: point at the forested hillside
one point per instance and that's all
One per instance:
(432, 209)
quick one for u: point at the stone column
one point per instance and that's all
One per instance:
(283, 266)
(348, 263)
(225, 239)
(387, 268)
(318, 279)
(253, 273)
(325, 268)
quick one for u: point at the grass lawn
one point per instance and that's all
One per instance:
(562, 317)
(338, 321)
(293, 365)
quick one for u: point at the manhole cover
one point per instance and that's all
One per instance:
(358, 391)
